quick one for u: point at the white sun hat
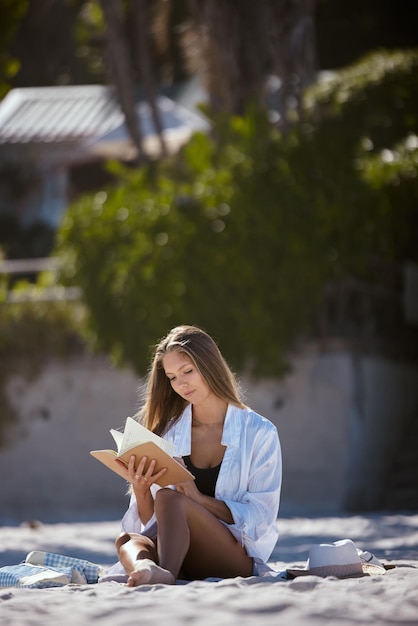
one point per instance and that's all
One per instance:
(341, 559)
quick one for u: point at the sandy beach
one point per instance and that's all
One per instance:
(377, 600)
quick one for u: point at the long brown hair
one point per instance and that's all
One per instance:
(162, 405)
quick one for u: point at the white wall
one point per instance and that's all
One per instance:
(64, 414)
(315, 400)
(339, 421)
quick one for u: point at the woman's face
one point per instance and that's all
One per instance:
(185, 378)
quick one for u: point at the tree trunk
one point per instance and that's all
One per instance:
(120, 69)
(237, 46)
(294, 52)
(145, 65)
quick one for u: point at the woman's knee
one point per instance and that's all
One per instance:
(138, 545)
(167, 498)
(122, 539)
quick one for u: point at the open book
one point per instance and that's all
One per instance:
(138, 440)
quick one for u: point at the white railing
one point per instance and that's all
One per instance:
(30, 266)
(37, 294)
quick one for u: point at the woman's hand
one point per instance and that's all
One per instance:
(214, 506)
(142, 477)
(189, 489)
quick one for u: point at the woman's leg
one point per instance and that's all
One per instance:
(139, 557)
(191, 538)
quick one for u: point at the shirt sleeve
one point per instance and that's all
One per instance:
(256, 512)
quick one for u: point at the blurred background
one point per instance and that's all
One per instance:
(250, 168)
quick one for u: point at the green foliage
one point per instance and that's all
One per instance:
(368, 114)
(12, 12)
(89, 34)
(43, 330)
(241, 234)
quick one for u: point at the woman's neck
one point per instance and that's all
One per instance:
(210, 416)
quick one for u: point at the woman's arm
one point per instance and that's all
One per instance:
(141, 482)
(256, 509)
(214, 506)
(144, 503)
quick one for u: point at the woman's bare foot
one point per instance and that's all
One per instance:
(146, 572)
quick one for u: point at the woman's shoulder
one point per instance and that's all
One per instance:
(251, 418)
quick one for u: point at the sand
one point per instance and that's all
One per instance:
(376, 600)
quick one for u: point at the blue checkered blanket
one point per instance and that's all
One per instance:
(46, 569)
(26, 575)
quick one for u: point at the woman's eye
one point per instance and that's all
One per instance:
(173, 378)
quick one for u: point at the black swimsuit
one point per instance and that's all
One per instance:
(205, 478)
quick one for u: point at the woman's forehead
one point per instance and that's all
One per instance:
(175, 360)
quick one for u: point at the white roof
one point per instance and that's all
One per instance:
(87, 114)
(57, 114)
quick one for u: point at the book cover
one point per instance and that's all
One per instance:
(139, 441)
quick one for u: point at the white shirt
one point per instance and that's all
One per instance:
(249, 480)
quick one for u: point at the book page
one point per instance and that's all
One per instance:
(136, 433)
(118, 437)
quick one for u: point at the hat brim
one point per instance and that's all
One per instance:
(295, 573)
(367, 570)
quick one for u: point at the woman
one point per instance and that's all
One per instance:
(223, 524)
